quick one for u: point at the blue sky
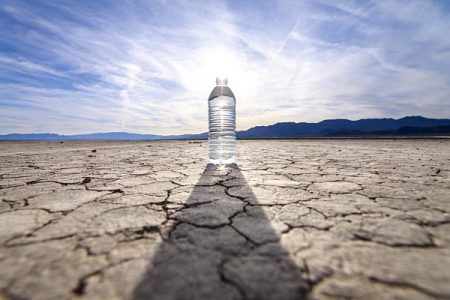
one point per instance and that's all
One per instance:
(148, 66)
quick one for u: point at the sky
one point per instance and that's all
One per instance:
(145, 66)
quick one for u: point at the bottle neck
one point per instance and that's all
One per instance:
(221, 91)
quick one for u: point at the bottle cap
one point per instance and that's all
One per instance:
(221, 81)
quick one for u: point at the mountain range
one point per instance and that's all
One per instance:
(407, 126)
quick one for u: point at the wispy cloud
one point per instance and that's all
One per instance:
(73, 67)
(291, 33)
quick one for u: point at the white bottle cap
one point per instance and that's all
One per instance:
(221, 81)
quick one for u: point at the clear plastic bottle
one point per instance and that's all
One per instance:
(222, 124)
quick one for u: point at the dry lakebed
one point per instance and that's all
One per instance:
(292, 219)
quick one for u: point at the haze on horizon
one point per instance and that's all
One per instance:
(148, 66)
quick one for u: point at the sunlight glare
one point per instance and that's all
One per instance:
(222, 63)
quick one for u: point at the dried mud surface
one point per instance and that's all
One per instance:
(312, 219)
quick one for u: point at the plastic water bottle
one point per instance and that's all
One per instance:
(222, 124)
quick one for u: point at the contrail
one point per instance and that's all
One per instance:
(285, 41)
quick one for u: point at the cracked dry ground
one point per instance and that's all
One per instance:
(318, 219)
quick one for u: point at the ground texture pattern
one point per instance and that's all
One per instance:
(309, 219)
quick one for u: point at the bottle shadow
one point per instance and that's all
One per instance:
(221, 247)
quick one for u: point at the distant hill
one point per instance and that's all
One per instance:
(403, 131)
(113, 136)
(341, 127)
(407, 126)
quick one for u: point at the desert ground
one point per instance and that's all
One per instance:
(292, 219)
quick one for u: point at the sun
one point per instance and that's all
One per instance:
(235, 65)
(222, 63)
